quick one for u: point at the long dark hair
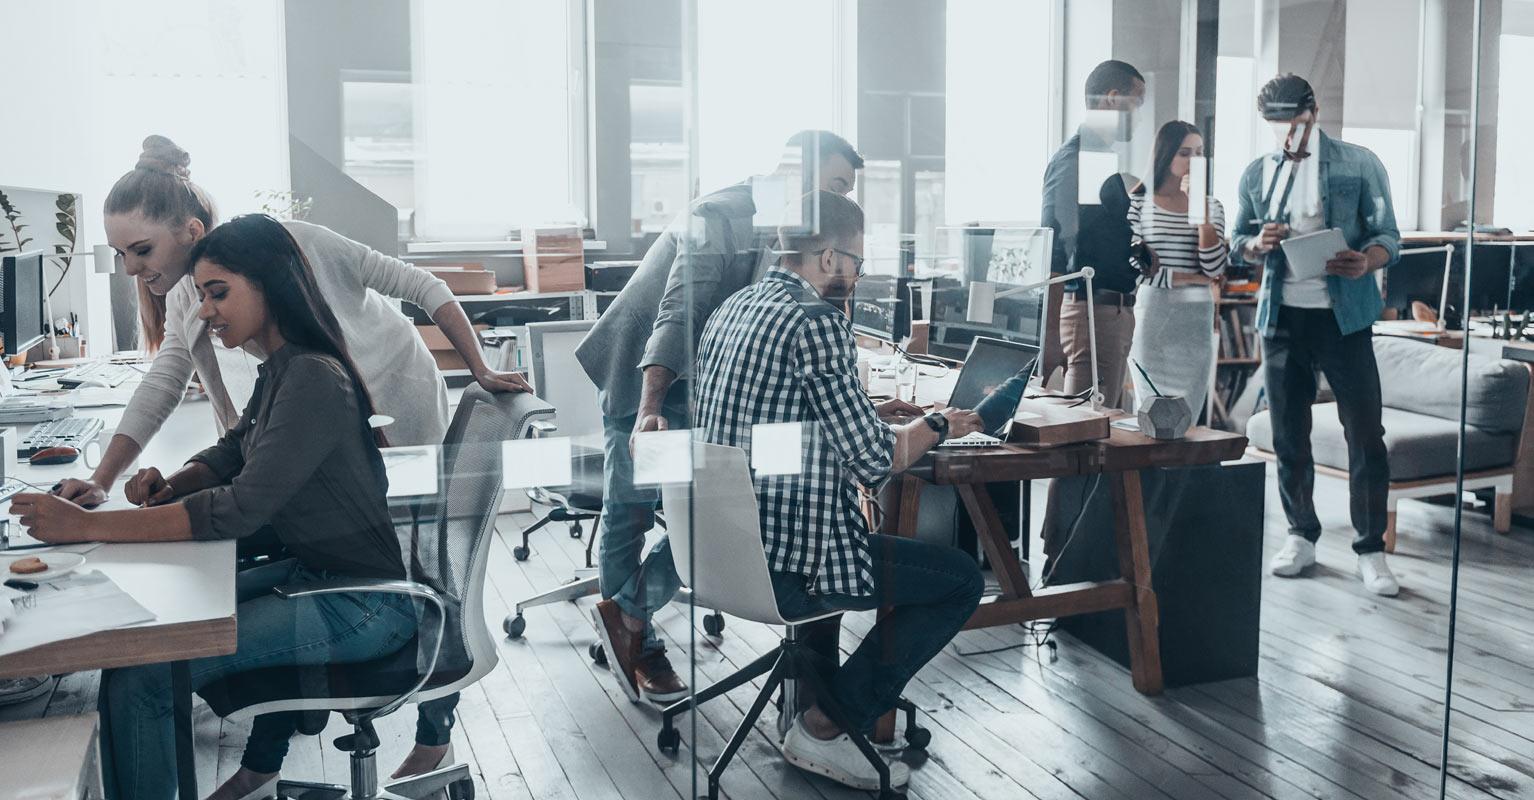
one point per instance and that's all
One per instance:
(260, 249)
(1168, 142)
(160, 187)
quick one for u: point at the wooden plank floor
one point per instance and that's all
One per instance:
(1348, 704)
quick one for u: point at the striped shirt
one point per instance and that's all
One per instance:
(775, 352)
(1176, 242)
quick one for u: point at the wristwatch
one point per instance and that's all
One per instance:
(937, 422)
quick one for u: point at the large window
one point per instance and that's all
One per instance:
(498, 121)
(766, 70)
(1513, 206)
(999, 93)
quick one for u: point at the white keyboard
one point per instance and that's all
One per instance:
(976, 439)
(98, 372)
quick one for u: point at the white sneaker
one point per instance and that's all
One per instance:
(838, 759)
(1377, 576)
(1297, 554)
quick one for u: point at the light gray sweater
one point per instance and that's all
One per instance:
(355, 280)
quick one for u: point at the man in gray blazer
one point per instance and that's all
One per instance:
(639, 355)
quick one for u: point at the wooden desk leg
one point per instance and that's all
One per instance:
(1142, 617)
(186, 757)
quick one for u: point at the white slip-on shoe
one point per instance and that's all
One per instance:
(838, 759)
(1297, 554)
(1377, 576)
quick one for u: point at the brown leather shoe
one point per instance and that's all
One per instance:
(622, 645)
(657, 681)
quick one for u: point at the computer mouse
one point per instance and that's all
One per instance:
(54, 455)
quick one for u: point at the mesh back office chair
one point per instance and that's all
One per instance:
(727, 570)
(447, 539)
(559, 379)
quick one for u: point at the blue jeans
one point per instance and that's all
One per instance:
(931, 591)
(639, 587)
(137, 734)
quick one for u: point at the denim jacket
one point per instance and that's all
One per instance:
(1355, 192)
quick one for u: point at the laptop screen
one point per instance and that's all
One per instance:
(990, 365)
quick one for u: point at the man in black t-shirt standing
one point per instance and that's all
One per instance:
(1094, 235)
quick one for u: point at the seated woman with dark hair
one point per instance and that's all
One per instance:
(303, 461)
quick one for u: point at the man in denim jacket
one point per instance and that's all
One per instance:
(1322, 323)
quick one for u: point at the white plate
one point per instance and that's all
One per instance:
(59, 565)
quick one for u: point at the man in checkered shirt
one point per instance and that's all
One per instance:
(782, 351)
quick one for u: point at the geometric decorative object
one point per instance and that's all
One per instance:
(1165, 417)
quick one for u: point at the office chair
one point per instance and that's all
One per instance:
(727, 570)
(447, 538)
(559, 379)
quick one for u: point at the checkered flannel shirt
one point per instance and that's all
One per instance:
(776, 352)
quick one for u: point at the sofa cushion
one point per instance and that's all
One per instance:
(1424, 378)
(1419, 446)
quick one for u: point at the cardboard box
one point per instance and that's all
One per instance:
(441, 349)
(553, 259)
(466, 279)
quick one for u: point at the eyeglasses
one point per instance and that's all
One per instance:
(857, 261)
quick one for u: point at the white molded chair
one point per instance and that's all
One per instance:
(727, 571)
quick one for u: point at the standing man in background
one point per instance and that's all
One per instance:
(639, 355)
(1311, 183)
(1097, 236)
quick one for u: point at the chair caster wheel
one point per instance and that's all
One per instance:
(917, 738)
(598, 655)
(669, 740)
(713, 624)
(515, 625)
(461, 790)
(521, 552)
(575, 532)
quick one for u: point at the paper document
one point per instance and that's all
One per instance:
(70, 607)
(1307, 255)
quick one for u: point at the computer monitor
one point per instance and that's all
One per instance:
(21, 301)
(881, 308)
(1007, 256)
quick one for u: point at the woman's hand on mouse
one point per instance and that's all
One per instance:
(83, 492)
(148, 488)
(52, 519)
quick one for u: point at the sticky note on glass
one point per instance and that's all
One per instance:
(1198, 195)
(662, 457)
(1093, 170)
(526, 463)
(777, 448)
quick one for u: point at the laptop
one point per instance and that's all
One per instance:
(992, 382)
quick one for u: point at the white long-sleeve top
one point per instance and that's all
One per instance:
(399, 371)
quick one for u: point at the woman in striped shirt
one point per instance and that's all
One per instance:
(1174, 326)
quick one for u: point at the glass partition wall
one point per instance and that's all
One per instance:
(1489, 652)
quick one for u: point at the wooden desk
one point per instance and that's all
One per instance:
(1120, 456)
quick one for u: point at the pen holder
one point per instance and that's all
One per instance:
(1165, 417)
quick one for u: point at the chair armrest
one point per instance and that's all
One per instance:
(420, 591)
(543, 427)
(348, 585)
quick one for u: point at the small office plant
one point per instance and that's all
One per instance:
(284, 205)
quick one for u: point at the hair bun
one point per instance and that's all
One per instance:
(163, 155)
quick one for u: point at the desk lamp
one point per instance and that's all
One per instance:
(982, 300)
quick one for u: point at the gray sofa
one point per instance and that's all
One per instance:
(1420, 384)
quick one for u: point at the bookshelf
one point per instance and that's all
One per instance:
(1239, 355)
